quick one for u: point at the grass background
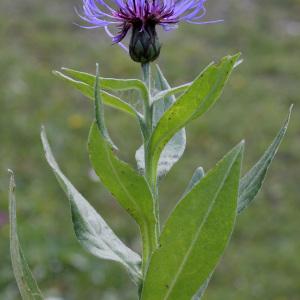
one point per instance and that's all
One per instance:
(262, 261)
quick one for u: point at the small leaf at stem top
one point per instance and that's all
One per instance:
(199, 97)
(174, 149)
(181, 88)
(88, 91)
(112, 84)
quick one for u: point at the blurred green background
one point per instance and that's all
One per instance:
(262, 261)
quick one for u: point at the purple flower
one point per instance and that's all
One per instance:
(141, 16)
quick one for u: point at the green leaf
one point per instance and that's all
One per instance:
(251, 183)
(196, 234)
(174, 149)
(159, 107)
(88, 91)
(110, 83)
(197, 176)
(126, 185)
(201, 291)
(168, 91)
(200, 96)
(27, 285)
(99, 111)
(91, 230)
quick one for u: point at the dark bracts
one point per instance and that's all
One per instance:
(144, 44)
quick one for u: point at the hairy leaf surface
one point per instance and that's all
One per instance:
(197, 176)
(174, 149)
(250, 183)
(125, 184)
(88, 91)
(168, 91)
(91, 230)
(110, 83)
(196, 234)
(199, 97)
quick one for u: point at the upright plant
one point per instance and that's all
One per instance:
(179, 258)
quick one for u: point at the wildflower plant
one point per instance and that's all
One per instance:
(177, 259)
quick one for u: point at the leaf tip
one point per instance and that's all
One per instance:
(12, 178)
(200, 170)
(11, 198)
(43, 133)
(241, 145)
(236, 56)
(237, 63)
(291, 109)
(287, 121)
(97, 72)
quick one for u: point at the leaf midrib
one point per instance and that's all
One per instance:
(177, 128)
(118, 257)
(142, 221)
(185, 258)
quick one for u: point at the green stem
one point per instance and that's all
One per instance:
(147, 105)
(148, 116)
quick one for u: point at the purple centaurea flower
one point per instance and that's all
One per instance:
(141, 16)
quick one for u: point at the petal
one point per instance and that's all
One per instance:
(112, 36)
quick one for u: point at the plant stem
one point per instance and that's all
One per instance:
(147, 106)
(148, 117)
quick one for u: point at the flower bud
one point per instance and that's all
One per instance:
(144, 45)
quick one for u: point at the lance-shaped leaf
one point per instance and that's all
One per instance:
(174, 149)
(126, 185)
(91, 230)
(88, 91)
(110, 83)
(199, 97)
(27, 285)
(168, 91)
(253, 180)
(251, 183)
(181, 88)
(196, 234)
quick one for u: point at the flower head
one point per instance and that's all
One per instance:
(142, 16)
